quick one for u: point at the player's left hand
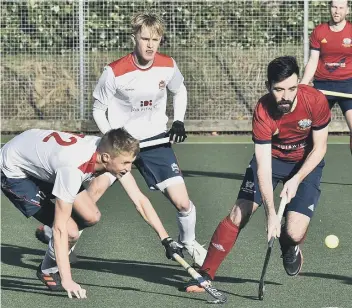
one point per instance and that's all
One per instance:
(177, 132)
(171, 247)
(290, 188)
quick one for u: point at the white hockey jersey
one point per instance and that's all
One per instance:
(136, 98)
(65, 159)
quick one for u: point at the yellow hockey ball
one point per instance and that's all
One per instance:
(332, 241)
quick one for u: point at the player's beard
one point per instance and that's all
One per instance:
(284, 106)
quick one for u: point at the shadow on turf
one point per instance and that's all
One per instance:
(236, 176)
(344, 279)
(24, 284)
(222, 175)
(156, 273)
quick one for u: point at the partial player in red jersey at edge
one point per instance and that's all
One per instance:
(290, 131)
(330, 60)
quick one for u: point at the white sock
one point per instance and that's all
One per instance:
(48, 232)
(73, 247)
(187, 225)
(49, 265)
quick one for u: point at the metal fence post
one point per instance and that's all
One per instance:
(305, 32)
(81, 58)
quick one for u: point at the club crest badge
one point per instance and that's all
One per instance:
(304, 124)
(347, 42)
(162, 85)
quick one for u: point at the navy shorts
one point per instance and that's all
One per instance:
(158, 165)
(308, 191)
(31, 196)
(343, 86)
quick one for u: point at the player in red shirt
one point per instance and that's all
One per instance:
(330, 60)
(290, 131)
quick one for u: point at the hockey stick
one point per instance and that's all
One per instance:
(154, 142)
(219, 297)
(280, 213)
(338, 94)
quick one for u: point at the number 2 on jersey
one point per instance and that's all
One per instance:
(60, 141)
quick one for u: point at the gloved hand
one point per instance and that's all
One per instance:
(177, 132)
(171, 247)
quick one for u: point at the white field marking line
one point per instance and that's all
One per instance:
(226, 142)
(234, 142)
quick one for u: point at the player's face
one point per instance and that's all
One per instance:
(146, 45)
(285, 93)
(120, 164)
(338, 10)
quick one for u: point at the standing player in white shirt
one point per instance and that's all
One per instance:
(133, 93)
(40, 165)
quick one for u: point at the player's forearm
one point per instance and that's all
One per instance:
(60, 236)
(99, 185)
(180, 104)
(266, 189)
(99, 116)
(146, 210)
(312, 160)
(309, 71)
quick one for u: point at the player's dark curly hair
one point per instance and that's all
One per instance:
(281, 68)
(117, 141)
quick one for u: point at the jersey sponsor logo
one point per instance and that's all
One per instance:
(175, 168)
(347, 42)
(333, 66)
(129, 89)
(291, 147)
(323, 41)
(146, 103)
(162, 85)
(304, 124)
(144, 106)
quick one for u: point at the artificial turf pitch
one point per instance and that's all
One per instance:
(122, 262)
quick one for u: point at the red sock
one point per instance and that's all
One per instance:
(220, 245)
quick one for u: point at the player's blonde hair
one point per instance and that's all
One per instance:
(117, 141)
(148, 20)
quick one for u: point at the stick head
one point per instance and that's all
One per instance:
(261, 290)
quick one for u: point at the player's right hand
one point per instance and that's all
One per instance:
(171, 247)
(274, 226)
(177, 132)
(73, 288)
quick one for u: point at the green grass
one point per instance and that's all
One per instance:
(122, 263)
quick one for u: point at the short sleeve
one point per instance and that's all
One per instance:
(67, 183)
(314, 41)
(105, 88)
(321, 114)
(262, 131)
(176, 79)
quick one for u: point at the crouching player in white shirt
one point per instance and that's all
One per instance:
(133, 93)
(40, 165)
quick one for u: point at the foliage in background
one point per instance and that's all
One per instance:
(53, 26)
(221, 47)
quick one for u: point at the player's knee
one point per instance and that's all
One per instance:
(295, 236)
(73, 234)
(183, 205)
(92, 219)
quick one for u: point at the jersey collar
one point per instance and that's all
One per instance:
(89, 166)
